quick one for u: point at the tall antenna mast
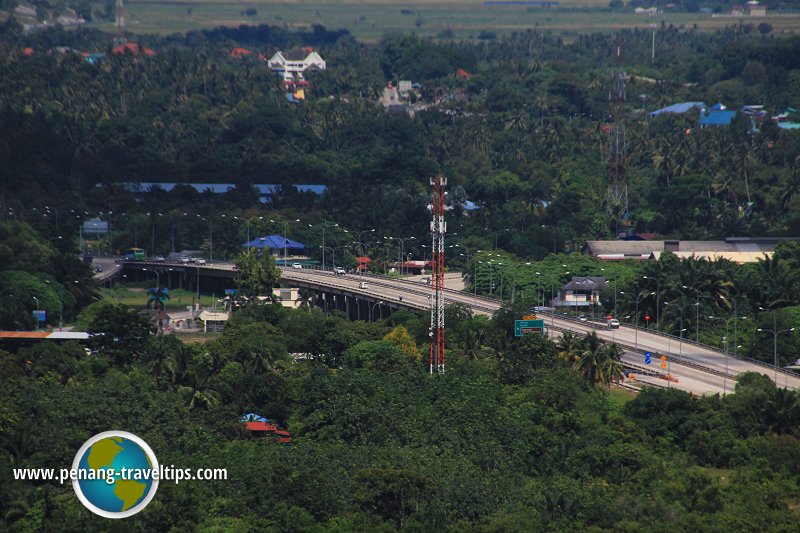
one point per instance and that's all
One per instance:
(438, 229)
(119, 38)
(618, 149)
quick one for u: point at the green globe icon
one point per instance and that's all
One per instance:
(115, 474)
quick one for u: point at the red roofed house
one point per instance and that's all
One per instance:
(362, 263)
(238, 53)
(133, 48)
(268, 430)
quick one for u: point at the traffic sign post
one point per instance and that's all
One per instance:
(40, 316)
(521, 327)
(647, 358)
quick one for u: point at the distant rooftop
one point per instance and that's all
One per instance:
(265, 190)
(738, 249)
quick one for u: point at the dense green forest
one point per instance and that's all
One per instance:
(518, 434)
(508, 439)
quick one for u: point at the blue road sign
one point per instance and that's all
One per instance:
(647, 358)
(40, 316)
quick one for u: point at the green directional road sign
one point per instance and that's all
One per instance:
(521, 327)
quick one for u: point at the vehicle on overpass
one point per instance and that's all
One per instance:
(135, 254)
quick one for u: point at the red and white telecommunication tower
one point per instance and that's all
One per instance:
(438, 229)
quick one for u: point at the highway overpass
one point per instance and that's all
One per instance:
(697, 368)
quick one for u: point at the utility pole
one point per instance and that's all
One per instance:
(438, 230)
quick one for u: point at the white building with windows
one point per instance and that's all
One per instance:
(296, 61)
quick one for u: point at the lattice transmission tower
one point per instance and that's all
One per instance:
(617, 198)
(119, 23)
(438, 229)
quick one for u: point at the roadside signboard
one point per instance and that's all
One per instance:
(521, 327)
(40, 316)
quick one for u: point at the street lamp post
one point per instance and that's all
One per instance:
(360, 243)
(697, 313)
(680, 342)
(401, 248)
(615, 292)
(725, 376)
(514, 286)
(37, 314)
(735, 324)
(324, 227)
(775, 332)
(285, 238)
(636, 317)
(680, 307)
(333, 251)
(158, 277)
(372, 310)
(496, 233)
(658, 301)
(247, 226)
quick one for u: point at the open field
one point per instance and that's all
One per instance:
(137, 297)
(370, 20)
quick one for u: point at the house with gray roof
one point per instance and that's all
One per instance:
(580, 292)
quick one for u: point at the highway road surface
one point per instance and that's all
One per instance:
(695, 368)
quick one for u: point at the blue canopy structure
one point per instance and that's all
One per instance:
(274, 242)
(252, 417)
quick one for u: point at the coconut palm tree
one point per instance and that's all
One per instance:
(569, 347)
(785, 411)
(197, 393)
(611, 366)
(591, 359)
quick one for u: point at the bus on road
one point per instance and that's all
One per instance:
(134, 254)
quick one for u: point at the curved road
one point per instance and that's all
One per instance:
(695, 368)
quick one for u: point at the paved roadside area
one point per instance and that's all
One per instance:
(452, 280)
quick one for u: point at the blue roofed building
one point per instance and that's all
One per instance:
(274, 242)
(718, 115)
(265, 191)
(683, 107)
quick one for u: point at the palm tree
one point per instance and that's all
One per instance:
(197, 393)
(569, 347)
(611, 366)
(157, 298)
(785, 411)
(591, 359)
(164, 354)
(792, 187)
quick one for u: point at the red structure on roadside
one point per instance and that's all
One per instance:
(438, 229)
(269, 431)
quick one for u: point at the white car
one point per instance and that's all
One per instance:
(160, 258)
(200, 261)
(184, 259)
(339, 271)
(297, 265)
